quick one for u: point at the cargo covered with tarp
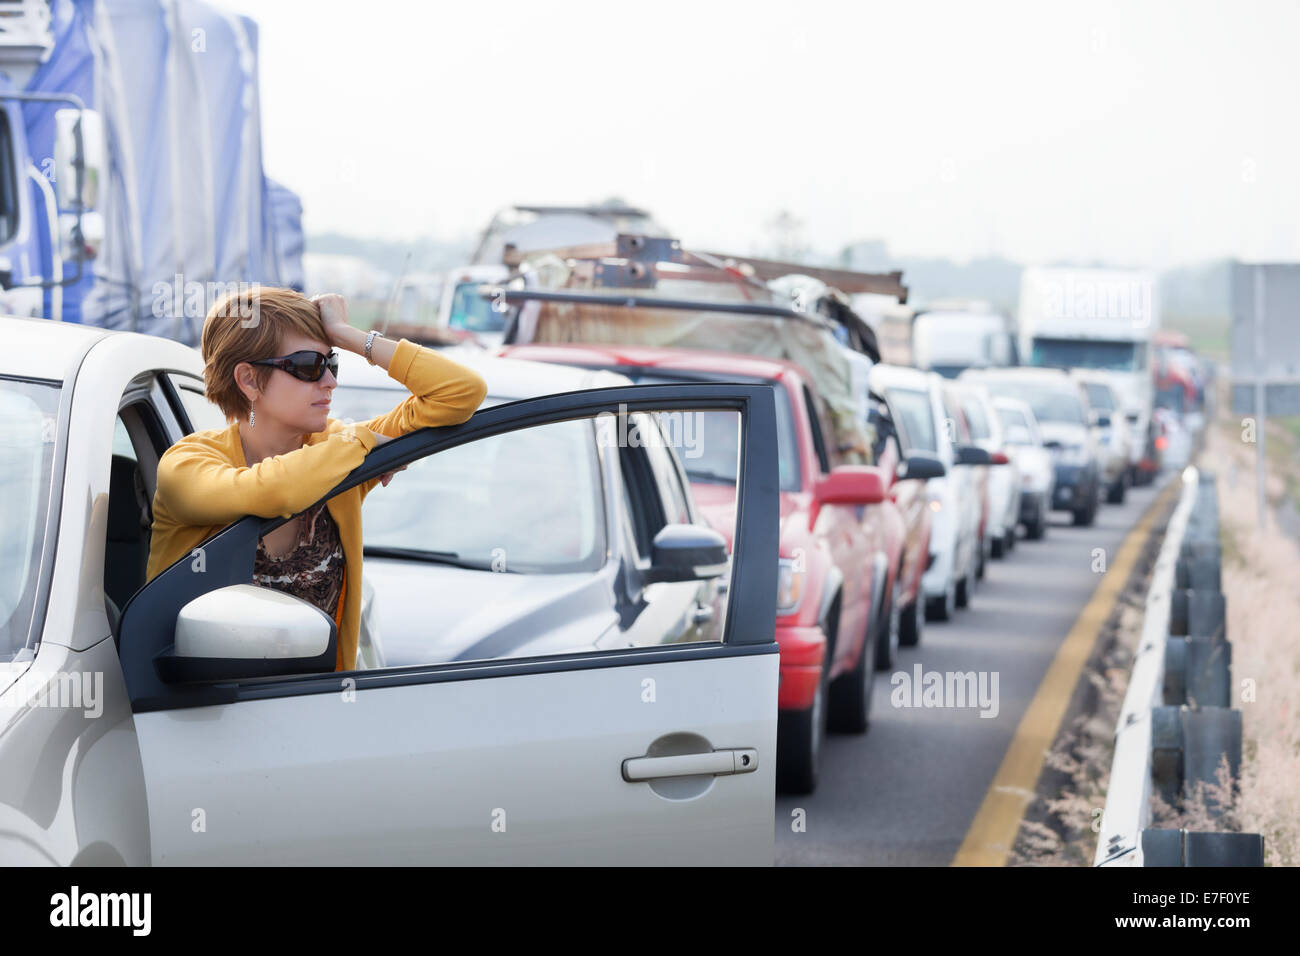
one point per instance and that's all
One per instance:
(807, 338)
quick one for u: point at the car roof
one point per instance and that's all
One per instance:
(1021, 372)
(1005, 401)
(41, 348)
(969, 386)
(506, 378)
(900, 376)
(678, 359)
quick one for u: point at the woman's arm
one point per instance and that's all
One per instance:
(443, 392)
(199, 486)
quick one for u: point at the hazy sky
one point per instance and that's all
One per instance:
(1138, 132)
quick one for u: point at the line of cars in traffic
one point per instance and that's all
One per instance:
(740, 536)
(872, 546)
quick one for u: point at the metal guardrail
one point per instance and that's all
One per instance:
(1176, 722)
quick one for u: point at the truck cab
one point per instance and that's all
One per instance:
(1101, 320)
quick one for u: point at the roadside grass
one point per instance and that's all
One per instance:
(1207, 334)
(1263, 604)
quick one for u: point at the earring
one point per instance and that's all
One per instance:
(252, 414)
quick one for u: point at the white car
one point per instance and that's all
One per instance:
(208, 726)
(1061, 408)
(925, 426)
(1024, 445)
(1112, 432)
(1003, 479)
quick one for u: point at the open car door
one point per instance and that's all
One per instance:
(646, 755)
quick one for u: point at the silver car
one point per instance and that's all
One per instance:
(206, 724)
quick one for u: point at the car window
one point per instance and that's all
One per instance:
(122, 446)
(973, 409)
(956, 422)
(815, 421)
(714, 461)
(28, 418)
(1050, 403)
(681, 431)
(499, 547)
(203, 414)
(1100, 397)
(1012, 418)
(634, 525)
(469, 310)
(529, 501)
(915, 419)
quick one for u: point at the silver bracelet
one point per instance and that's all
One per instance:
(370, 340)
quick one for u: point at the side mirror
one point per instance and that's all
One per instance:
(243, 631)
(999, 458)
(972, 455)
(921, 467)
(851, 485)
(75, 142)
(686, 552)
(1103, 420)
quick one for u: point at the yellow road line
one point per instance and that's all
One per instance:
(997, 822)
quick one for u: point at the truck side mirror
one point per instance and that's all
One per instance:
(78, 142)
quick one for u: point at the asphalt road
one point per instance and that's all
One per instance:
(905, 792)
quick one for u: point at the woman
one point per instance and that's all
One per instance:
(270, 369)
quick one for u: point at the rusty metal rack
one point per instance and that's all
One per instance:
(631, 263)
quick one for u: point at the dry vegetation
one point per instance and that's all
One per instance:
(1261, 581)
(1260, 572)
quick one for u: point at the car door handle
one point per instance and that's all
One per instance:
(715, 763)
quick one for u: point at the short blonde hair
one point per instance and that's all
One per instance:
(246, 325)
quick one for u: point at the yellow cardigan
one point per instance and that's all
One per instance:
(205, 485)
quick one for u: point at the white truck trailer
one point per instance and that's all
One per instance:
(1101, 320)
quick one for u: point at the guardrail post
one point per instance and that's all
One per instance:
(1178, 705)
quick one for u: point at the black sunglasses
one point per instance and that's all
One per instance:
(306, 365)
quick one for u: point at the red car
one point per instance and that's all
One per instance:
(842, 541)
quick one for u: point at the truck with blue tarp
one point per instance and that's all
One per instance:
(132, 192)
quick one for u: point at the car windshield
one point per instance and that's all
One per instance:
(471, 311)
(1172, 397)
(28, 413)
(714, 459)
(1050, 403)
(1088, 353)
(1099, 397)
(1012, 418)
(913, 408)
(529, 501)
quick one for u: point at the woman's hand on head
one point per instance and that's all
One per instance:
(333, 314)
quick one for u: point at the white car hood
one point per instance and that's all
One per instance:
(430, 612)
